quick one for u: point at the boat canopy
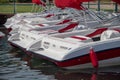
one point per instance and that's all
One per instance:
(38, 2)
(70, 3)
(117, 1)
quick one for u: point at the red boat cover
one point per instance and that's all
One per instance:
(38, 2)
(70, 3)
(117, 1)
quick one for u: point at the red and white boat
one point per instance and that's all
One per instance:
(26, 38)
(32, 19)
(72, 50)
(81, 49)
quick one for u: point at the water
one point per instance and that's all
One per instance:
(15, 65)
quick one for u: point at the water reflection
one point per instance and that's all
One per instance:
(14, 68)
(86, 76)
(46, 68)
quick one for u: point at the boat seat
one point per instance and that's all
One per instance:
(79, 38)
(109, 34)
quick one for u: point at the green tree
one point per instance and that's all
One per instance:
(4, 1)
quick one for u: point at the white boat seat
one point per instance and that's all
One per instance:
(109, 34)
(79, 38)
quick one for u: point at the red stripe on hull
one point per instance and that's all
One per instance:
(103, 55)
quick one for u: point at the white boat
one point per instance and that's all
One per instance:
(83, 16)
(28, 27)
(17, 18)
(60, 48)
(81, 49)
(29, 35)
(27, 38)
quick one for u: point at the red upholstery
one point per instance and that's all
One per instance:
(38, 2)
(71, 26)
(117, 1)
(70, 3)
(64, 21)
(49, 15)
(98, 31)
(78, 37)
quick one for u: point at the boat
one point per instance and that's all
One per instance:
(43, 24)
(62, 49)
(19, 16)
(82, 49)
(39, 33)
(32, 18)
(91, 18)
(38, 27)
(26, 37)
(35, 18)
(30, 21)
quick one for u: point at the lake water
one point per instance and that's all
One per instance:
(15, 65)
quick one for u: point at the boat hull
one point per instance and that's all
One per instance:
(106, 58)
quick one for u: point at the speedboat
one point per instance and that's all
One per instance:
(80, 49)
(44, 24)
(91, 18)
(62, 49)
(18, 18)
(26, 38)
(47, 18)
(36, 22)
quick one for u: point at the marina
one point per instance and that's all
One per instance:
(65, 41)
